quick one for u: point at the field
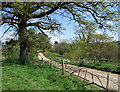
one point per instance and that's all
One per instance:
(38, 77)
(111, 67)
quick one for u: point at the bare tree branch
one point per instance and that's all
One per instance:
(33, 9)
(70, 12)
(9, 12)
(43, 32)
(12, 18)
(32, 24)
(5, 32)
(10, 22)
(93, 14)
(49, 11)
(95, 18)
(4, 4)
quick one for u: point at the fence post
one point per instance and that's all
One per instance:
(49, 62)
(92, 82)
(107, 85)
(55, 64)
(63, 68)
(60, 66)
(42, 60)
(51, 65)
(85, 73)
(79, 72)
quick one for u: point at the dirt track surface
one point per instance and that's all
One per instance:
(102, 75)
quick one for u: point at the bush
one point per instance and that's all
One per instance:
(11, 52)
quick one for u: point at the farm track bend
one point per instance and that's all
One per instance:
(113, 78)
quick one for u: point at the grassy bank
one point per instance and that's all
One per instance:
(38, 77)
(111, 67)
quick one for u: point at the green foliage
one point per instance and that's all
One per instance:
(54, 56)
(105, 66)
(105, 50)
(67, 82)
(61, 48)
(25, 12)
(77, 51)
(37, 77)
(99, 46)
(37, 42)
(85, 30)
(110, 51)
(110, 67)
(11, 50)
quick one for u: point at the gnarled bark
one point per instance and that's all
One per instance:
(23, 43)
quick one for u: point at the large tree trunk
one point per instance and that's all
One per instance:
(23, 52)
(23, 43)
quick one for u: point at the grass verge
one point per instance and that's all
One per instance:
(38, 77)
(109, 67)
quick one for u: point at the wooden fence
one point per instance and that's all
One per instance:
(81, 73)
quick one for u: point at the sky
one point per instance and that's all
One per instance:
(67, 35)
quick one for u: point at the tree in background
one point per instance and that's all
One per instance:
(55, 42)
(71, 51)
(37, 42)
(99, 47)
(83, 32)
(61, 48)
(19, 14)
(77, 50)
(102, 46)
(110, 51)
(11, 50)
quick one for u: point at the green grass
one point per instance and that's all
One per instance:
(54, 56)
(111, 67)
(38, 77)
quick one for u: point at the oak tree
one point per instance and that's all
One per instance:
(18, 15)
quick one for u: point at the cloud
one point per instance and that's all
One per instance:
(86, 13)
(98, 32)
(54, 38)
(57, 38)
(7, 36)
(47, 31)
(110, 23)
(68, 40)
(34, 20)
(83, 26)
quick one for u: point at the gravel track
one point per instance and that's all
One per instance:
(113, 78)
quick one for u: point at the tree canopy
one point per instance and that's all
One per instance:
(19, 15)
